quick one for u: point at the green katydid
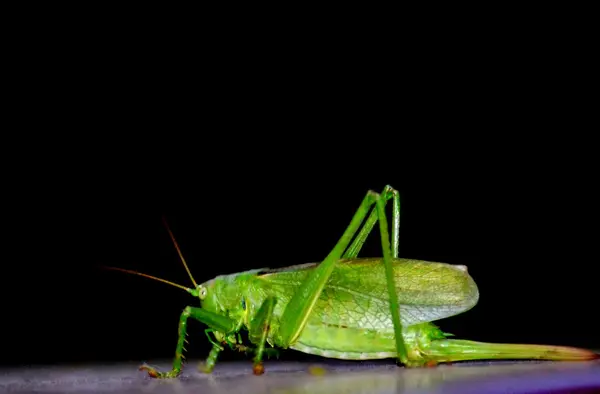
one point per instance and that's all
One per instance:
(347, 307)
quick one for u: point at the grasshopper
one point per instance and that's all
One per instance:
(346, 307)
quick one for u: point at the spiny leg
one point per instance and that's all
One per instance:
(299, 308)
(261, 324)
(389, 276)
(178, 352)
(211, 360)
(209, 364)
(301, 304)
(219, 323)
(387, 193)
(354, 249)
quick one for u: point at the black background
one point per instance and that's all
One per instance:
(258, 152)
(527, 235)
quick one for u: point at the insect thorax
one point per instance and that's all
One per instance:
(227, 294)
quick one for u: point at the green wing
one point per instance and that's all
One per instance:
(356, 294)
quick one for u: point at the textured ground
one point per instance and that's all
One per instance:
(291, 377)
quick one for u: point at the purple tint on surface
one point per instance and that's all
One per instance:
(543, 380)
(295, 377)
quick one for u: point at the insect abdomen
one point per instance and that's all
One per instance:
(345, 343)
(365, 344)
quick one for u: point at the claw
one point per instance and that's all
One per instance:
(153, 373)
(258, 369)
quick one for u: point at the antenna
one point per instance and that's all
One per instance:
(179, 251)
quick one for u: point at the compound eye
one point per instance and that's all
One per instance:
(203, 292)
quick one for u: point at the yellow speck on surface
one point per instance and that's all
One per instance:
(316, 370)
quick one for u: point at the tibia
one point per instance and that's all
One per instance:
(448, 350)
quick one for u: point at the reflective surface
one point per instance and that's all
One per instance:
(314, 378)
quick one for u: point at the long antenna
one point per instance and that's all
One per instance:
(179, 251)
(148, 276)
